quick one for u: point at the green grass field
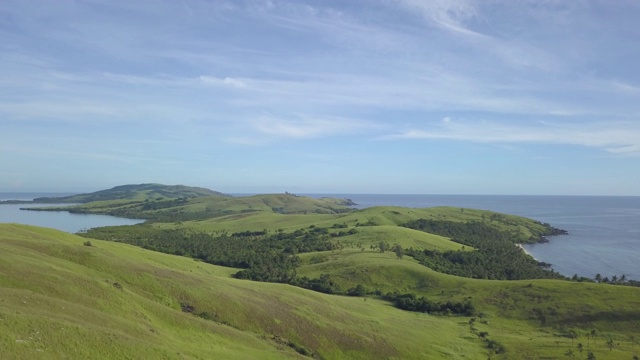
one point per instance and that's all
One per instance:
(62, 299)
(59, 300)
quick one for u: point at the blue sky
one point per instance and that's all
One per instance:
(376, 96)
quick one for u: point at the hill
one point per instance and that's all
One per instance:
(62, 299)
(175, 206)
(436, 283)
(133, 192)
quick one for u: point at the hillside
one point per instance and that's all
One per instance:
(145, 205)
(267, 276)
(62, 299)
(133, 192)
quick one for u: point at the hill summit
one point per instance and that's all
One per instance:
(134, 191)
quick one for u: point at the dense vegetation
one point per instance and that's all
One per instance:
(265, 256)
(496, 256)
(411, 302)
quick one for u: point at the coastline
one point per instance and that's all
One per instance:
(526, 252)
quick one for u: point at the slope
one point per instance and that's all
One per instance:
(61, 298)
(533, 319)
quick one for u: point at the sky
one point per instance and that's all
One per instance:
(536, 97)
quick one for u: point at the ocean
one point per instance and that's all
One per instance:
(604, 231)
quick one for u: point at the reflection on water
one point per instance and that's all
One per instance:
(60, 220)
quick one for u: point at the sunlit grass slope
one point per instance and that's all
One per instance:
(251, 214)
(532, 318)
(62, 299)
(144, 204)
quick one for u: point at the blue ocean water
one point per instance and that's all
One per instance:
(59, 219)
(604, 231)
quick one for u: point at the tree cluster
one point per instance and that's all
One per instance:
(495, 257)
(411, 302)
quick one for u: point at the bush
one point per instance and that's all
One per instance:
(88, 243)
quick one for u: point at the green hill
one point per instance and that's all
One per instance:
(66, 296)
(179, 206)
(134, 192)
(62, 299)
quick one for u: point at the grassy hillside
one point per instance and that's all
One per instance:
(138, 192)
(533, 319)
(145, 205)
(62, 299)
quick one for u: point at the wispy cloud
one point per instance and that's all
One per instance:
(621, 138)
(309, 127)
(209, 76)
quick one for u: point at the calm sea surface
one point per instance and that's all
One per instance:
(54, 219)
(604, 232)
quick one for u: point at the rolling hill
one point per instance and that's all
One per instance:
(66, 296)
(133, 192)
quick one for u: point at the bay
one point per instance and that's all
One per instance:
(60, 220)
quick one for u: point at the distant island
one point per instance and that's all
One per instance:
(126, 192)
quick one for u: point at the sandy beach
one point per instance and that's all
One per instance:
(526, 252)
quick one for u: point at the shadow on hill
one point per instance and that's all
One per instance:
(603, 316)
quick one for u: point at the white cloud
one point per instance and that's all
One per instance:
(621, 138)
(226, 81)
(309, 127)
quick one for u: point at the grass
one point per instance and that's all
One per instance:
(59, 299)
(513, 310)
(62, 298)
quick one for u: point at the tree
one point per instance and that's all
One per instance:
(569, 353)
(383, 246)
(593, 334)
(610, 344)
(580, 348)
(359, 290)
(591, 356)
(635, 357)
(598, 277)
(573, 335)
(398, 250)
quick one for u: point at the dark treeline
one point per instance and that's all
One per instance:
(411, 302)
(264, 256)
(496, 256)
(614, 280)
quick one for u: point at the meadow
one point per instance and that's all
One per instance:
(70, 296)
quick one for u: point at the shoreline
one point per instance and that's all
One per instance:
(526, 252)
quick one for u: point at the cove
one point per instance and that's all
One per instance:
(60, 220)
